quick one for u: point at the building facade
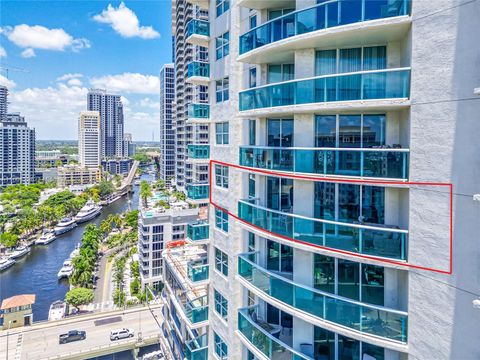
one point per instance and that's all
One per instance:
(129, 148)
(191, 90)
(69, 175)
(17, 151)
(167, 134)
(89, 139)
(3, 103)
(110, 108)
(117, 166)
(331, 240)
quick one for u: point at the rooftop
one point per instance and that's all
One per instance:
(18, 300)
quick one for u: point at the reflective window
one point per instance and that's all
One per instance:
(222, 45)
(280, 194)
(222, 6)
(279, 257)
(334, 61)
(280, 72)
(280, 132)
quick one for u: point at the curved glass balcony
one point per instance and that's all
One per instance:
(322, 16)
(198, 27)
(198, 231)
(196, 68)
(197, 349)
(363, 85)
(198, 191)
(197, 310)
(197, 272)
(379, 241)
(199, 151)
(368, 319)
(266, 343)
(199, 111)
(366, 162)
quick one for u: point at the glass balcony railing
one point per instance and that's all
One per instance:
(200, 111)
(365, 318)
(197, 272)
(196, 68)
(364, 85)
(198, 27)
(322, 16)
(198, 191)
(198, 231)
(198, 151)
(379, 241)
(197, 310)
(371, 162)
(262, 340)
(197, 349)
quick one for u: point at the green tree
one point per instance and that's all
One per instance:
(105, 188)
(58, 163)
(79, 296)
(145, 191)
(131, 218)
(117, 179)
(8, 239)
(180, 195)
(119, 297)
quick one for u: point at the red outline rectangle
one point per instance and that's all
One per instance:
(343, 180)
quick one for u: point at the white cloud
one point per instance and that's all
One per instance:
(8, 83)
(125, 22)
(40, 37)
(3, 52)
(74, 82)
(149, 103)
(69, 76)
(128, 83)
(28, 53)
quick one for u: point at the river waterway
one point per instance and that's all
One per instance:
(36, 273)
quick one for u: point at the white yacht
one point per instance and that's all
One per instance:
(65, 225)
(46, 238)
(66, 271)
(19, 252)
(136, 182)
(88, 212)
(57, 310)
(75, 252)
(5, 263)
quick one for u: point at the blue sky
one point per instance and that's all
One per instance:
(70, 46)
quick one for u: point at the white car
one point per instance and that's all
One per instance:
(121, 334)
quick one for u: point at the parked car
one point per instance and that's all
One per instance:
(72, 335)
(121, 334)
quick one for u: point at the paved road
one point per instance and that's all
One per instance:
(41, 341)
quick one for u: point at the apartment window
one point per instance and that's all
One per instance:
(221, 176)
(221, 90)
(350, 60)
(221, 348)
(273, 14)
(253, 21)
(221, 262)
(279, 257)
(222, 6)
(221, 305)
(280, 132)
(221, 220)
(221, 133)
(281, 72)
(252, 132)
(250, 298)
(252, 77)
(222, 45)
(251, 242)
(280, 194)
(350, 279)
(354, 131)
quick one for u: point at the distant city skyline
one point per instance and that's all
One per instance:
(56, 52)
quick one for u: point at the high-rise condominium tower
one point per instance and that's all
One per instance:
(167, 135)
(110, 108)
(17, 146)
(348, 120)
(3, 103)
(191, 88)
(89, 139)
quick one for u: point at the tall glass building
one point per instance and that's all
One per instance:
(330, 120)
(167, 134)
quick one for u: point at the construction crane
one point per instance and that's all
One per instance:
(11, 68)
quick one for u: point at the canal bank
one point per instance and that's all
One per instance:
(36, 273)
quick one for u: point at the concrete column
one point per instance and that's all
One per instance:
(391, 206)
(303, 333)
(304, 63)
(302, 4)
(391, 288)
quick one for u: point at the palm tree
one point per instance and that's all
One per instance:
(145, 191)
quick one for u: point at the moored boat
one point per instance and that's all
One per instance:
(88, 212)
(19, 252)
(46, 238)
(5, 263)
(57, 310)
(65, 225)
